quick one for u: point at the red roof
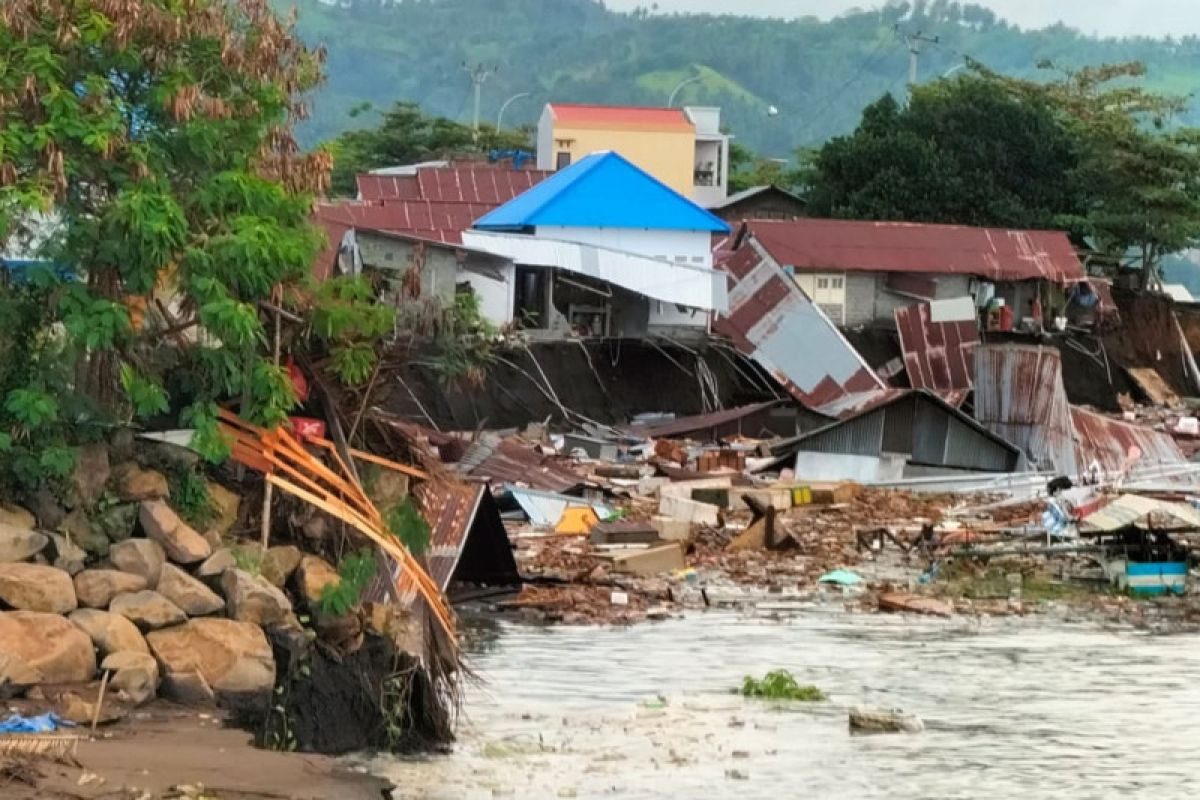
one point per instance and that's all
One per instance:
(853, 246)
(621, 116)
(436, 204)
(939, 356)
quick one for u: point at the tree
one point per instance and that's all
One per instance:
(748, 169)
(406, 135)
(157, 134)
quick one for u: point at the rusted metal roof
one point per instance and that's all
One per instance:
(852, 405)
(468, 542)
(774, 323)
(432, 221)
(1114, 446)
(504, 461)
(937, 355)
(723, 422)
(1019, 395)
(475, 184)
(856, 246)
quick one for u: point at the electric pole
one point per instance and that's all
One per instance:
(915, 40)
(479, 75)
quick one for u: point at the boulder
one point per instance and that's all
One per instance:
(181, 543)
(140, 557)
(118, 522)
(225, 505)
(196, 599)
(312, 576)
(216, 564)
(79, 529)
(33, 587)
(148, 610)
(67, 556)
(82, 704)
(135, 675)
(59, 651)
(109, 632)
(90, 475)
(189, 688)
(95, 588)
(17, 517)
(230, 658)
(20, 544)
(46, 508)
(16, 675)
(135, 483)
(252, 599)
(121, 445)
(279, 563)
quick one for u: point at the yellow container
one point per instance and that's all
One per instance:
(801, 495)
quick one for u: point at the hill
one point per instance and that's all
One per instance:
(818, 74)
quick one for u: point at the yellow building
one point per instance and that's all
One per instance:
(683, 148)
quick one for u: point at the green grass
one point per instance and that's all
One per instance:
(712, 81)
(778, 684)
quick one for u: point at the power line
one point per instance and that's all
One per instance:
(870, 61)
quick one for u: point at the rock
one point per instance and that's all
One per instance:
(16, 675)
(109, 632)
(68, 556)
(79, 529)
(148, 610)
(181, 543)
(95, 588)
(140, 557)
(135, 483)
(46, 508)
(17, 517)
(90, 475)
(231, 658)
(251, 599)
(135, 675)
(20, 544)
(279, 563)
(118, 522)
(33, 587)
(78, 704)
(216, 564)
(48, 643)
(312, 576)
(121, 445)
(196, 599)
(226, 505)
(189, 688)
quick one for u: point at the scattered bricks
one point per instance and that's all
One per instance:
(682, 508)
(671, 529)
(828, 494)
(670, 451)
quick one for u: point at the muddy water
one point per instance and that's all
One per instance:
(1013, 708)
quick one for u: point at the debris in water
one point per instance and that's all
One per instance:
(872, 720)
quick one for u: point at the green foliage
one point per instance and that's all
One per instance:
(248, 559)
(747, 170)
(356, 572)
(348, 317)
(465, 344)
(779, 684)
(406, 524)
(189, 497)
(406, 135)
(146, 396)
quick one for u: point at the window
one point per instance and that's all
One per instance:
(836, 283)
(822, 283)
(681, 259)
(563, 159)
(697, 259)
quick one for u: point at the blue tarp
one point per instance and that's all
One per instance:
(46, 723)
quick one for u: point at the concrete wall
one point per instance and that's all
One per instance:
(545, 140)
(693, 247)
(438, 273)
(667, 155)
(887, 301)
(496, 298)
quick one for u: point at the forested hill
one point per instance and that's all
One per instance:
(818, 74)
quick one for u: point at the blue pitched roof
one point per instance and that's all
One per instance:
(603, 190)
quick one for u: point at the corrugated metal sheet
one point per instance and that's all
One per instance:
(861, 402)
(773, 322)
(467, 535)
(545, 509)
(501, 461)
(937, 355)
(1115, 446)
(725, 422)
(1019, 396)
(1131, 509)
(476, 184)
(995, 254)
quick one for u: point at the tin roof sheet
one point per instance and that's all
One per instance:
(1131, 509)
(593, 116)
(857, 246)
(937, 355)
(774, 323)
(457, 510)
(504, 461)
(700, 422)
(1116, 446)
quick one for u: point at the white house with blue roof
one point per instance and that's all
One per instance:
(601, 248)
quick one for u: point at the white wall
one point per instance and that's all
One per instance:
(695, 247)
(545, 140)
(496, 298)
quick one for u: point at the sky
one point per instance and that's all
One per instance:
(1158, 18)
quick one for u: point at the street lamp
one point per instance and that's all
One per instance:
(504, 107)
(682, 83)
(954, 69)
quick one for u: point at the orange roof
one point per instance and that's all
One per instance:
(659, 119)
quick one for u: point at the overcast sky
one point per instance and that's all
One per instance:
(1103, 17)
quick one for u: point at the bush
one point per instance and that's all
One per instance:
(779, 684)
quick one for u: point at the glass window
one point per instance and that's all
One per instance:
(822, 283)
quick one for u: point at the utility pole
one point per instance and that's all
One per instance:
(479, 75)
(914, 41)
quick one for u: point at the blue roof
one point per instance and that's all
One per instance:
(603, 190)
